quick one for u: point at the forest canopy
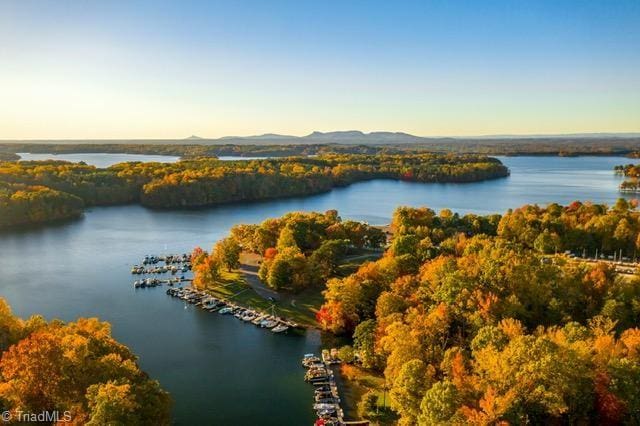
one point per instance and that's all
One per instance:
(25, 204)
(9, 156)
(297, 250)
(75, 368)
(472, 320)
(363, 144)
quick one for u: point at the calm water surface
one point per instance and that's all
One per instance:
(107, 159)
(219, 370)
(99, 159)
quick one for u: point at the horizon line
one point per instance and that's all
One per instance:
(279, 135)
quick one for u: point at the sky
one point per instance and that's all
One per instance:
(123, 69)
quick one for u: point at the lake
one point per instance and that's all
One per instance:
(103, 160)
(219, 370)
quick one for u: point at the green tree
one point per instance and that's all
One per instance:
(409, 388)
(368, 404)
(439, 404)
(346, 354)
(364, 338)
(286, 240)
(112, 404)
(228, 252)
(547, 242)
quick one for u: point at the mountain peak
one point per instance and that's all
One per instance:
(340, 133)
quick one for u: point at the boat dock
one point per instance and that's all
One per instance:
(150, 266)
(326, 402)
(173, 263)
(268, 321)
(155, 282)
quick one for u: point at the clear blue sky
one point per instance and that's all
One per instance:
(147, 69)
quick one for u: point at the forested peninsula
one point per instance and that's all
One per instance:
(631, 172)
(9, 156)
(41, 191)
(471, 319)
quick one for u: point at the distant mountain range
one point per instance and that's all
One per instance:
(356, 137)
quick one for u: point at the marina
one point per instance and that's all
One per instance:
(269, 321)
(172, 264)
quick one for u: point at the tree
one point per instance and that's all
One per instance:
(364, 342)
(207, 271)
(439, 404)
(325, 260)
(228, 252)
(368, 404)
(79, 367)
(10, 326)
(279, 276)
(624, 235)
(547, 242)
(405, 244)
(288, 270)
(408, 389)
(110, 403)
(346, 354)
(500, 324)
(286, 240)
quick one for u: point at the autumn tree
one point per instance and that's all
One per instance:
(87, 373)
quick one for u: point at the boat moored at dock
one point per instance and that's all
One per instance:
(326, 400)
(210, 303)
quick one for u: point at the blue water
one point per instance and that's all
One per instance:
(219, 370)
(99, 159)
(103, 160)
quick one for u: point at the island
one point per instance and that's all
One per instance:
(632, 173)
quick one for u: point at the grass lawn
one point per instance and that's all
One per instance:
(300, 308)
(358, 381)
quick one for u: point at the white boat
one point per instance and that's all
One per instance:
(280, 328)
(249, 316)
(329, 408)
(269, 323)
